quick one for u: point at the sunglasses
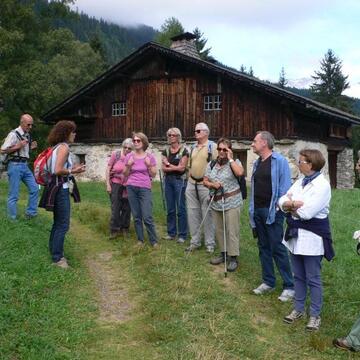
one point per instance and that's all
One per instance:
(198, 131)
(303, 162)
(135, 141)
(222, 149)
(172, 135)
(127, 148)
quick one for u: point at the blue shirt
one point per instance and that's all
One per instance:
(280, 184)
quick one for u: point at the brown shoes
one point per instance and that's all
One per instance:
(343, 344)
(62, 263)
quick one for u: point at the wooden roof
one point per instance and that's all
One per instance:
(148, 48)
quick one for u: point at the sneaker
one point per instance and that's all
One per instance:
(210, 249)
(62, 263)
(155, 245)
(218, 260)
(168, 237)
(180, 240)
(293, 316)
(263, 289)
(30, 217)
(192, 247)
(314, 323)
(140, 243)
(233, 264)
(287, 295)
(113, 235)
(343, 344)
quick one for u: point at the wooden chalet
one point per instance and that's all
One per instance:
(156, 88)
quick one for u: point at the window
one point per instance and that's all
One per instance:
(212, 102)
(80, 158)
(119, 109)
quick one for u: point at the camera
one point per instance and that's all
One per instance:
(356, 236)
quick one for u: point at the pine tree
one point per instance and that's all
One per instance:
(200, 43)
(242, 69)
(282, 78)
(171, 27)
(251, 72)
(330, 83)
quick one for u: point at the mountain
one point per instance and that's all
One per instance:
(113, 41)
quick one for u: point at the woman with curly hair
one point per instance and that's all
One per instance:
(62, 169)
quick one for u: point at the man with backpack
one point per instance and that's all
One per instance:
(197, 195)
(17, 146)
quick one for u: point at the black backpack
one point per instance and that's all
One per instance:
(240, 179)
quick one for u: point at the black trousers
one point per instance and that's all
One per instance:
(120, 209)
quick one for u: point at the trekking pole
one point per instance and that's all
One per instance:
(162, 189)
(224, 227)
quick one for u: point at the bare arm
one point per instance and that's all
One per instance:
(62, 156)
(107, 179)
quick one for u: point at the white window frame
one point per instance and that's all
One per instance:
(213, 102)
(118, 108)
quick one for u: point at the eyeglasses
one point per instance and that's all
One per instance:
(127, 148)
(172, 135)
(303, 162)
(222, 149)
(135, 141)
(198, 131)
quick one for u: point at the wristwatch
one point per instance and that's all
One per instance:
(231, 161)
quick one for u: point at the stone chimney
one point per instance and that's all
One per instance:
(185, 44)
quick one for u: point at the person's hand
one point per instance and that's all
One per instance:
(21, 144)
(33, 145)
(108, 188)
(147, 162)
(216, 185)
(230, 154)
(130, 162)
(77, 169)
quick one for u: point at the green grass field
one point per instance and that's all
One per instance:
(121, 302)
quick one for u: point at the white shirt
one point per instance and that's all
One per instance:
(12, 139)
(67, 165)
(316, 196)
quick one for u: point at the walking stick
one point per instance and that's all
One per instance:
(224, 227)
(162, 189)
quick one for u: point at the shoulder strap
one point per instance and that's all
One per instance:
(212, 163)
(242, 184)
(210, 148)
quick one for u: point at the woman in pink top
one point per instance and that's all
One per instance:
(116, 187)
(140, 169)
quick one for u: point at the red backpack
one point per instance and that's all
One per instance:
(42, 166)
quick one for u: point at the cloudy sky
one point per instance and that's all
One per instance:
(264, 34)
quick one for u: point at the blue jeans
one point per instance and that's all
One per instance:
(61, 224)
(140, 200)
(175, 203)
(271, 247)
(18, 171)
(307, 274)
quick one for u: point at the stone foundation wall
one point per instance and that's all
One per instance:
(97, 155)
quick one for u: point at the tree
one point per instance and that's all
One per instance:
(282, 78)
(200, 43)
(330, 83)
(170, 28)
(251, 72)
(243, 69)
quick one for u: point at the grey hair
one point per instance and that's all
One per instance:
(176, 131)
(268, 137)
(128, 142)
(203, 127)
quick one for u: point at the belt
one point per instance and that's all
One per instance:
(226, 195)
(22, 160)
(176, 176)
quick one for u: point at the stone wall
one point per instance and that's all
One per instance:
(97, 155)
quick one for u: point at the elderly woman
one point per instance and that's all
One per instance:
(116, 187)
(140, 169)
(308, 236)
(221, 174)
(174, 160)
(57, 192)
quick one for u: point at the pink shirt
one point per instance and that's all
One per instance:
(139, 173)
(117, 167)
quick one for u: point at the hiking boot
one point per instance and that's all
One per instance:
(155, 245)
(232, 264)
(293, 316)
(210, 249)
(314, 323)
(62, 263)
(30, 217)
(343, 344)
(140, 244)
(287, 295)
(113, 235)
(125, 233)
(169, 237)
(192, 247)
(218, 260)
(263, 289)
